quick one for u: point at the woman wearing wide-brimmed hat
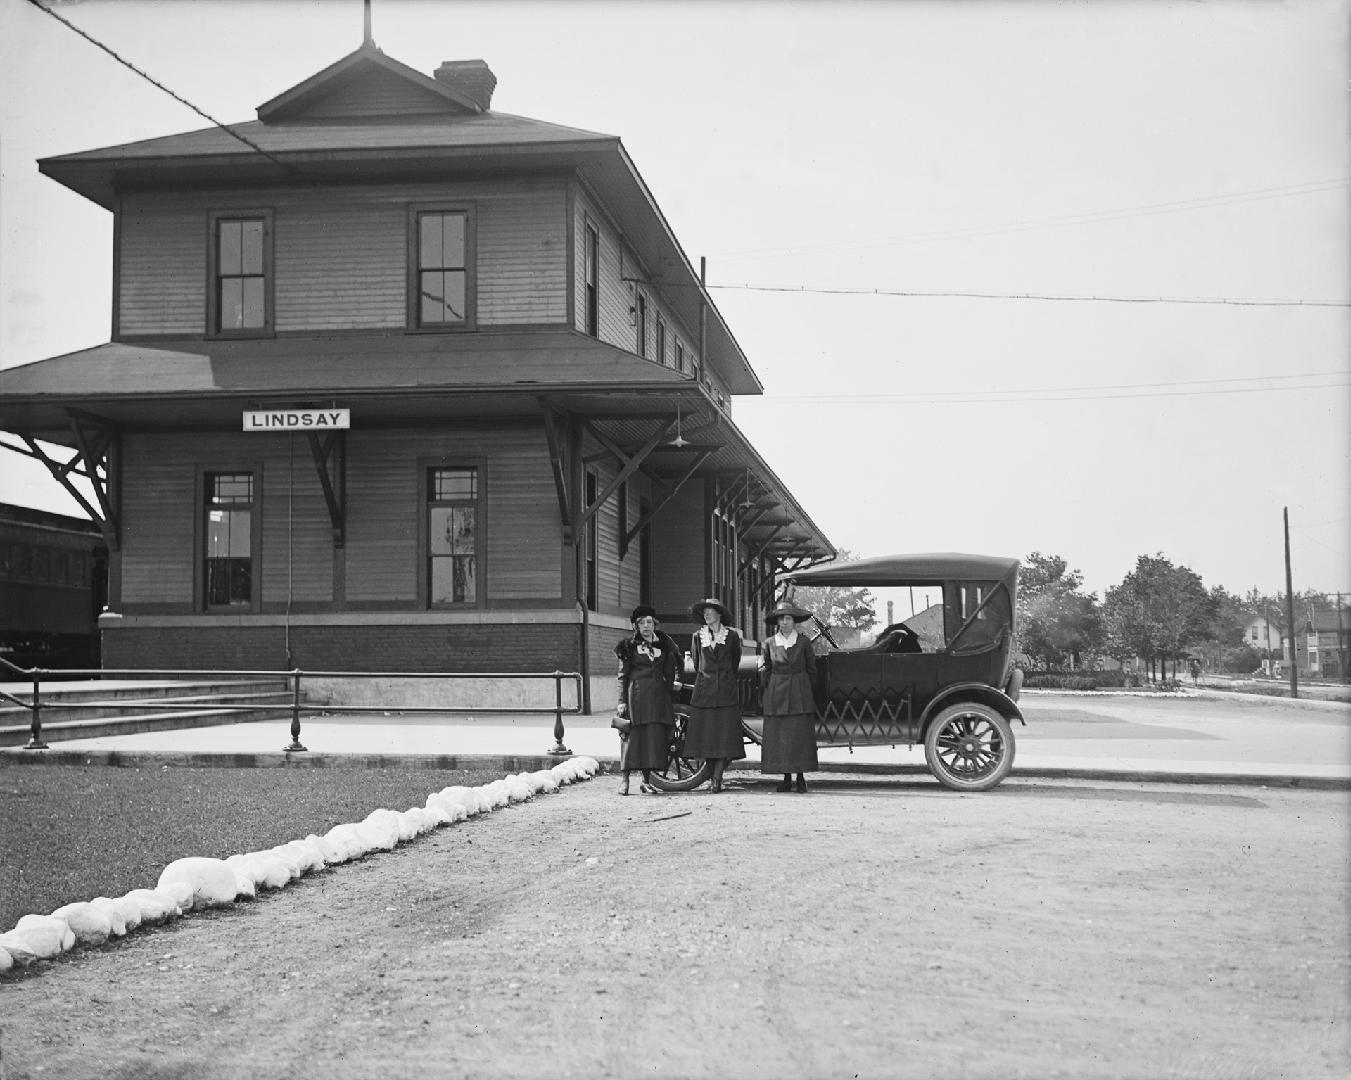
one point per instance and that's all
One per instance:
(714, 729)
(787, 671)
(648, 666)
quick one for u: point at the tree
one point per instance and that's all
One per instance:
(1157, 612)
(837, 605)
(1056, 621)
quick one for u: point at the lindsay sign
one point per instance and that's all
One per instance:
(297, 419)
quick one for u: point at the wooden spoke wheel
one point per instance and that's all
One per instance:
(969, 747)
(681, 773)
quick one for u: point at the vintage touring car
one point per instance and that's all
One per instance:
(950, 686)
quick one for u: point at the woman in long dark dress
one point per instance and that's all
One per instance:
(648, 663)
(787, 672)
(714, 729)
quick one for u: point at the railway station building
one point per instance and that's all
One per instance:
(397, 383)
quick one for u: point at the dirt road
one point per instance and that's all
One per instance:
(892, 929)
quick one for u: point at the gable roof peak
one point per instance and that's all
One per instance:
(465, 90)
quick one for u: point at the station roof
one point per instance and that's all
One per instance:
(370, 118)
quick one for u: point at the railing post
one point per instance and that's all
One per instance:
(295, 713)
(558, 748)
(36, 743)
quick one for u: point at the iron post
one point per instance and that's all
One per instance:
(295, 713)
(558, 749)
(36, 743)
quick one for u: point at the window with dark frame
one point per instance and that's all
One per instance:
(228, 533)
(241, 264)
(591, 275)
(442, 269)
(642, 324)
(452, 536)
(661, 341)
(679, 355)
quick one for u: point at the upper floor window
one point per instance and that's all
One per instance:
(680, 355)
(591, 274)
(661, 341)
(452, 536)
(442, 272)
(229, 539)
(241, 273)
(640, 323)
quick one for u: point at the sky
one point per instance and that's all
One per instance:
(1017, 276)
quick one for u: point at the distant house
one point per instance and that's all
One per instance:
(1321, 644)
(397, 383)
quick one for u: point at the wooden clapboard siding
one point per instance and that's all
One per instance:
(163, 274)
(522, 534)
(522, 253)
(379, 93)
(158, 516)
(615, 296)
(297, 531)
(382, 516)
(606, 524)
(340, 259)
(679, 550)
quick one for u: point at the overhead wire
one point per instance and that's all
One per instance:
(160, 86)
(1058, 297)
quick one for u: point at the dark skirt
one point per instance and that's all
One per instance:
(790, 744)
(646, 747)
(714, 731)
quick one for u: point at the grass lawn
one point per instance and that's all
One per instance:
(71, 832)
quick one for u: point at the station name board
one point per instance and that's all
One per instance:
(297, 419)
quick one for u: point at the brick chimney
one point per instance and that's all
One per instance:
(472, 78)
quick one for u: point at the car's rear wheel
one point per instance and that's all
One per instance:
(681, 773)
(969, 747)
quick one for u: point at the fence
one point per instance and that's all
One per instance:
(296, 706)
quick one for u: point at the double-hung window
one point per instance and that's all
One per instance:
(442, 272)
(640, 323)
(591, 274)
(228, 531)
(241, 273)
(661, 341)
(452, 536)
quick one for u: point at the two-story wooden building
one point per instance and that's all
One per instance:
(399, 383)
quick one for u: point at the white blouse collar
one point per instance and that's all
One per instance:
(787, 642)
(708, 639)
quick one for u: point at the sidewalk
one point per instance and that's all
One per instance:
(1198, 738)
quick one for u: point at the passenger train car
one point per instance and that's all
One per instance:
(53, 584)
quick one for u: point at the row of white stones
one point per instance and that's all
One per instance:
(195, 883)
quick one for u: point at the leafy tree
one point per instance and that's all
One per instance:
(837, 605)
(1056, 621)
(1158, 611)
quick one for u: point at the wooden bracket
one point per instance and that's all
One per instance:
(330, 462)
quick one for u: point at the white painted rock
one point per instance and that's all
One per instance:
(6, 961)
(308, 855)
(16, 946)
(348, 841)
(382, 826)
(116, 910)
(415, 821)
(89, 925)
(212, 881)
(545, 782)
(587, 767)
(154, 905)
(46, 936)
(326, 850)
(519, 788)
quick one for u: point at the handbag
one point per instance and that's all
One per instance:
(621, 724)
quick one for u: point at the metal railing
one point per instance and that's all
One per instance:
(296, 706)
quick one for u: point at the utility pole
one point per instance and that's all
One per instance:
(1341, 642)
(1290, 609)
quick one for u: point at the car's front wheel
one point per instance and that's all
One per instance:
(681, 773)
(969, 747)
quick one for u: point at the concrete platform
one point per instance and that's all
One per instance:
(1191, 738)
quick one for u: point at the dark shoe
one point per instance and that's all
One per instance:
(624, 790)
(802, 785)
(648, 789)
(786, 785)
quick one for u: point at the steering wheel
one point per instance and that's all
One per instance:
(826, 631)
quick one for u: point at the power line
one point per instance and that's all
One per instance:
(160, 86)
(1225, 301)
(1199, 387)
(1309, 187)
